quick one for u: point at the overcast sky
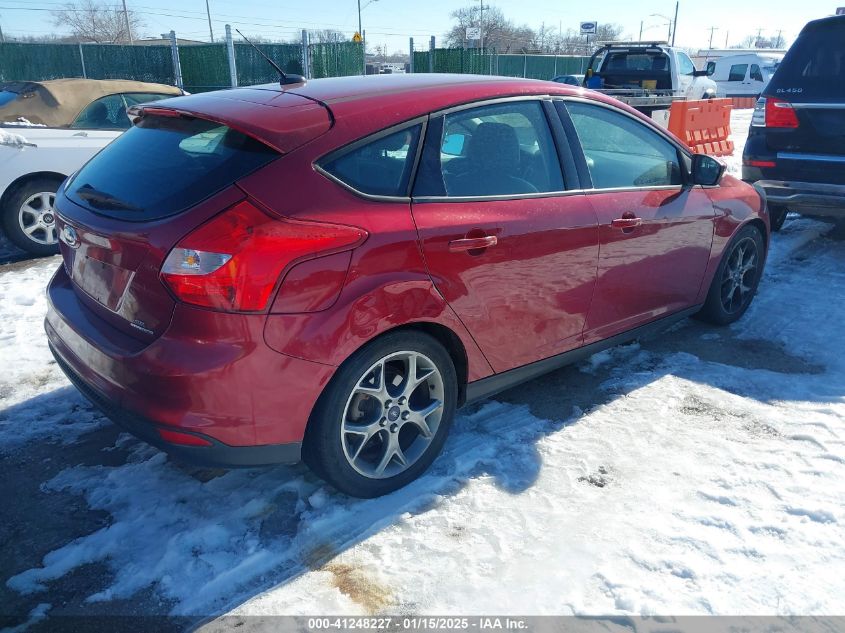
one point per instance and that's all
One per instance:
(391, 22)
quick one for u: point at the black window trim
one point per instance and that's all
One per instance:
(559, 143)
(685, 155)
(366, 140)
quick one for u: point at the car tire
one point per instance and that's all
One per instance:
(777, 216)
(736, 279)
(30, 205)
(367, 434)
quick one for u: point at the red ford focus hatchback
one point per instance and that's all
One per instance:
(327, 270)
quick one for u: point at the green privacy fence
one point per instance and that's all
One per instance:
(459, 60)
(204, 66)
(336, 60)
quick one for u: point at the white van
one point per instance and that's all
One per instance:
(744, 75)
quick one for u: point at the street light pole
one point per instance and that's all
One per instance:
(126, 18)
(674, 24)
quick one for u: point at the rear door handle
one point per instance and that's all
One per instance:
(626, 223)
(472, 243)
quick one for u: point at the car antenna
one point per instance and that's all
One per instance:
(284, 78)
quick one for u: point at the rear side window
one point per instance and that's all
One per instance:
(164, 165)
(106, 113)
(495, 150)
(756, 74)
(378, 167)
(737, 72)
(814, 68)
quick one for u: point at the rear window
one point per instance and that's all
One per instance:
(164, 165)
(814, 68)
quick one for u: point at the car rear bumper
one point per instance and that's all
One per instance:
(806, 197)
(210, 384)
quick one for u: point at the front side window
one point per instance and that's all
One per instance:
(622, 152)
(756, 75)
(381, 167)
(495, 150)
(106, 113)
(737, 72)
(685, 65)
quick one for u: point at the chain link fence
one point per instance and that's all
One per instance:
(460, 60)
(203, 66)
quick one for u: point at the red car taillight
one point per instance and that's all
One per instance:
(233, 261)
(780, 113)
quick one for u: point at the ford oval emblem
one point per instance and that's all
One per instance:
(69, 236)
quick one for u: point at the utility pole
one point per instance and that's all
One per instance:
(481, 28)
(778, 44)
(675, 23)
(726, 38)
(712, 29)
(126, 18)
(641, 32)
(208, 13)
(2, 38)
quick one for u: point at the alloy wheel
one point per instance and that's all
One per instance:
(392, 414)
(739, 275)
(37, 218)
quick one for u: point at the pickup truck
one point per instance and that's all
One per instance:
(48, 130)
(647, 76)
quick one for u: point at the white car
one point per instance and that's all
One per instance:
(744, 75)
(48, 130)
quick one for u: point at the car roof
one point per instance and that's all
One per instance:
(57, 102)
(377, 101)
(356, 105)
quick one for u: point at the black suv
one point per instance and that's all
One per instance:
(796, 144)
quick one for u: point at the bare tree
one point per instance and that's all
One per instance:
(498, 32)
(92, 21)
(755, 41)
(571, 42)
(327, 36)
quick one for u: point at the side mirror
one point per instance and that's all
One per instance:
(702, 73)
(706, 170)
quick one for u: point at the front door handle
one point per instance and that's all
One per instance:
(472, 243)
(626, 223)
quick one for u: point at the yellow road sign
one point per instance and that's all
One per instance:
(356, 37)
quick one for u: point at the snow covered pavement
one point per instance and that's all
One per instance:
(698, 472)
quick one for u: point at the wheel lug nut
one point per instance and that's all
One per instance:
(383, 422)
(401, 400)
(394, 428)
(388, 404)
(406, 415)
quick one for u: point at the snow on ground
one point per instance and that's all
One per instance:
(687, 486)
(34, 394)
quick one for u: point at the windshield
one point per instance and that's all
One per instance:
(165, 165)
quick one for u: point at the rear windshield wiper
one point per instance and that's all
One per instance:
(103, 200)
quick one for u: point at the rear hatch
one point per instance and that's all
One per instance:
(811, 82)
(122, 213)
